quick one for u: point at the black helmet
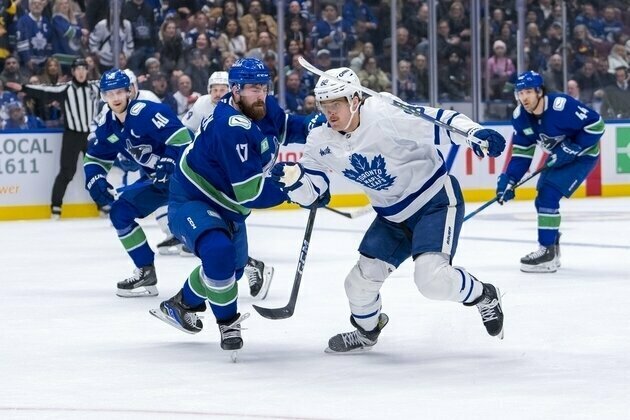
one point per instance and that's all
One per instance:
(78, 62)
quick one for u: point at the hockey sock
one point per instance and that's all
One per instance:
(135, 243)
(193, 291)
(548, 208)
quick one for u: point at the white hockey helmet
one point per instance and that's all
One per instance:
(218, 78)
(347, 87)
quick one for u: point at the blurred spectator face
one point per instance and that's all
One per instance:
(309, 104)
(330, 13)
(122, 61)
(402, 36)
(16, 113)
(453, 59)
(229, 8)
(270, 61)
(506, 31)
(201, 42)
(231, 27)
(295, 26)
(324, 60)
(531, 17)
(609, 14)
(255, 9)
(153, 67)
(184, 85)
(34, 80)
(197, 58)
(294, 8)
(420, 62)
(11, 65)
(36, 7)
(423, 13)
(159, 85)
(63, 6)
(532, 30)
(579, 32)
(368, 49)
(443, 28)
(294, 47)
(555, 62)
(264, 40)
(456, 11)
(170, 30)
(572, 89)
(228, 61)
(589, 11)
(293, 82)
(602, 65)
(621, 76)
(371, 65)
(201, 20)
(404, 68)
(497, 15)
(588, 69)
(52, 67)
(295, 62)
(499, 50)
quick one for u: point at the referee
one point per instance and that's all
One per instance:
(80, 101)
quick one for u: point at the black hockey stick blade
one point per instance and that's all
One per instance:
(287, 311)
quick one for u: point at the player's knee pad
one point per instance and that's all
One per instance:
(548, 198)
(435, 277)
(217, 253)
(122, 214)
(365, 280)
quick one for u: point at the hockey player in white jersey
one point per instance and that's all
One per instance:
(204, 106)
(392, 156)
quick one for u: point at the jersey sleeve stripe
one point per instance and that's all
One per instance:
(91, 160)
(436, 128)
(596, 128)
(455, 114)
(179, 138)
(523, 151)
(249, 189)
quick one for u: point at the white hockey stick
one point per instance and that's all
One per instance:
(415, 110)
(352, 214)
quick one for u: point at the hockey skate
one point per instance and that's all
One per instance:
(170, 246)
(544, 260)
(357, 341)
(259, 276)
(178, 315)
(55, 213)
(557, 245)
(142, 283)
(489, 306)
(186, 252)
(230, 330)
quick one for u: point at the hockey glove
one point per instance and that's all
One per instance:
(505, 188)
(496, 142)
(163, 171)
(563, 154)
(98, 187)
(287, 175)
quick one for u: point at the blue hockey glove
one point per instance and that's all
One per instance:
(98, 187)
(163, 170)
(563, 154)
(505, 188)
(315, 120)
(287, 175)
(496, 142)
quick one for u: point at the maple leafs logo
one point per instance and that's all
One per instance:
(370, 174)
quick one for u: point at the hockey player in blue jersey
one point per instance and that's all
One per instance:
(569, 131)
(392, 156)
(220, 177)
(151, 135)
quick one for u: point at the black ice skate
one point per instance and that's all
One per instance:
(142, 283)
(170, 246)
(178, 315)
(259, 276)
(357, 341)
(55, 212)
(186, 252)
(544, 260)
(230, 330)
(489, 306)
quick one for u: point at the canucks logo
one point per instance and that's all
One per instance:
(549, 142)
(371, 174)
(141, 153)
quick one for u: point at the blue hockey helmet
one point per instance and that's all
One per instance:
(528, 80)
(114, 79)
(248, 70)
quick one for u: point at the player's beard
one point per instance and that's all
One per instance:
(255, 111)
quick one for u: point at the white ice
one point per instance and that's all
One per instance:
(71, 349)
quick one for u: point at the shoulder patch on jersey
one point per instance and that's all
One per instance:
(559, 103)
(136, 108)
(240, 121)
(517, 112)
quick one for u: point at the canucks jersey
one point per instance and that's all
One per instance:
(151, 131)
(228, 162)
(563, 119)
(392, 156)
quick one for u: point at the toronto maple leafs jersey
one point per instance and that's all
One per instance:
(34, 38)
(200, 110)
(228, 162)
(392, 156)
(151, 131)
(563, 119)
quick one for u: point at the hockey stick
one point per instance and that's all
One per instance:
(351, 214)
(515, 186)
(392, 100)
(287, 311)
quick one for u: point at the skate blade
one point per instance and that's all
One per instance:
(234, 356)
(144, 291)
(186, 254)
(360, 350)
(160, 315)
(550, 267)
(267, 277)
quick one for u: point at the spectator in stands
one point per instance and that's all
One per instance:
(334, 34)
(373, 77)
(553, 77)
(357, 62)
(8, 11)
(231, 40)
(573, 90)
(140, 14)
(101, 42)
(18, 120)
(294, 96)
(617, 58)
(293, 49)
(6, 97)
(588, 82)
(34, 37)
(249, 24)
(554, 36)
(616, 100)
(508, 37)
(51, 74)
(93, 73)
(184, 10)
(12, 71)
(446, 43)
(68, 35)
(95, 11)
(406, 48)
(170, 50)
(198, 69)
(582, 47)
(265, 45)
(601, 72)
(229, 12)
(185, 95)
(296, 34)
(421, 72)
(307, 79)
(208, 49)
(200, 26)
(310, 105)
(590, 20)
(453, 80)
(358, 14)
(159, 86)
(297, 21)
(612, 25)
(459, 23)
(418, 25)
(324, 61)
(499, 69)
(406, 83)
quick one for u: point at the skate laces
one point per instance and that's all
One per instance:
(355, 338)
(137, 275)
(254, 274)
(234, 329)
(487, 310)
(538, 253)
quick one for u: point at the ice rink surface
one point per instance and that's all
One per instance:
(71, 349)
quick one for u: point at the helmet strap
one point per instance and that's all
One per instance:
(352, 111)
